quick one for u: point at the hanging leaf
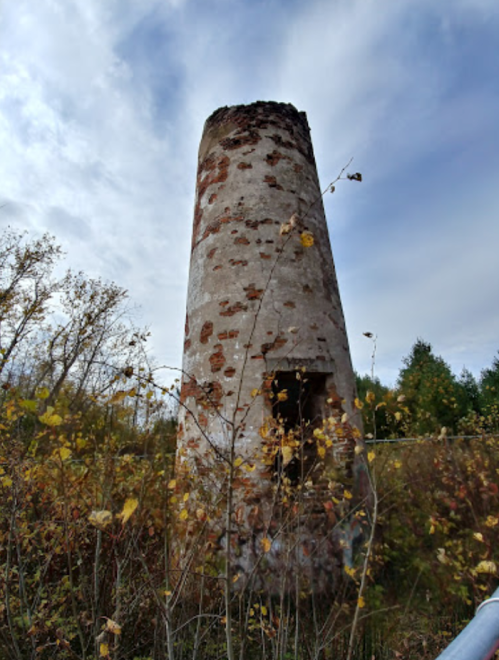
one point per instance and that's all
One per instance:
(307, 239)
(287, 455)
(128, 508)
(100, 519)
(50, 418)
(113, 627)
(42, 393)
(266, 544)
(117, 397)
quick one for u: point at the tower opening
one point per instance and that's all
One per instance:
(298, 398)
(298, 406)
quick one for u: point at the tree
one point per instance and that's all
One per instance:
(26, 288)
(433, 396)
(489, 394)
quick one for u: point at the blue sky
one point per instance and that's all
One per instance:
(102, 105)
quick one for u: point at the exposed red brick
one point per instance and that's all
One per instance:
(257, 357)
(218, 267)
(211, 253)
(224, 303)
(241, 240)
(249, 151)
(265, 256)
(230, 218)
(234, 309)
(252, 293)
(229, 372)
(241, 262)
(202, 420)
(229, 144)
(278, 342)
(210, 164)
(244, 166)
(231, 334)
(212, 228)
(286, 144)
(297, 168)
(206, 332)
(273, 158)
(187, 344)
(234, 231)
(272, 182)
(290, 304)
(217, 359)
(186, 325)
(190, 388)
(212, 198)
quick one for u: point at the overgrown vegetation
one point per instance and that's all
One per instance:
(104, 553)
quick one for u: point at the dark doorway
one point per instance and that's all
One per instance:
(301, 399)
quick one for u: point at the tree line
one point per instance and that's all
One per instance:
(429, 397)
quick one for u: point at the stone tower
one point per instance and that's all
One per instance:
(261, 304)
(266, 354)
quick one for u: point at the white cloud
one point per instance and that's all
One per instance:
(103, 146)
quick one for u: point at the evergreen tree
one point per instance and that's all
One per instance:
(432, 393)
(489, 395)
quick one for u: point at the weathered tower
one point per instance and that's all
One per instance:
(260, 304)
(266, 353)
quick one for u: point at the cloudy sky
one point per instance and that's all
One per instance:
(102, 104)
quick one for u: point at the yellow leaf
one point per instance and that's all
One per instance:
(255, 392)
(358, 403)
(238, 462)
(42, 393)
(486, 566)
(266, 544)
(371, 456)
(149, 394)
(117, 397)
(64, 453)
(321, 451)
(49, 418)
(250, 468)
(478, 536)
(307, 239)
(264, 431)
(344, 418)
(491, 521)
(361, 602)
(397, 464)
(398, 416)
(171, 484)
(185, 497)
(287, 455)
(128, 508)
(113, 627)
(263, 610)
(350, 571)
(7, 482)
(347, 495)
(358, 449)
(104, 650)
(100, 518)
(282, 396)
(184, 514)
(370, 397)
